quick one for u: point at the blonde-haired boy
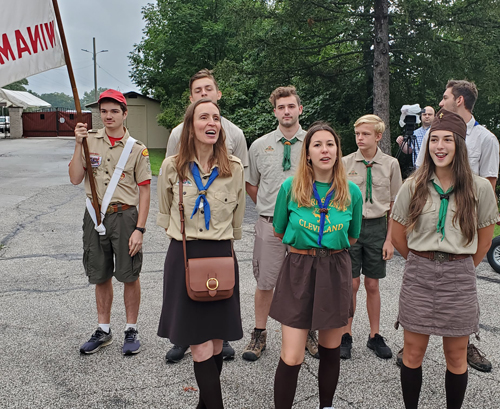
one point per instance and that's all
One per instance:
(379, 177)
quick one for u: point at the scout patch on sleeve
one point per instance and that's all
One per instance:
(122, 176)
(145, 152)
(95, 160)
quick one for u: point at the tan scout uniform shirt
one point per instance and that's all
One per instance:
(226, 197)
(266, 167)
(386, 181)
(104, 158)
(235, 141)
(425, 236)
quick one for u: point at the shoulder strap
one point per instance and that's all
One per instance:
(183, 226)
(120, 166)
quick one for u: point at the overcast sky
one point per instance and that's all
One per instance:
(116, 25)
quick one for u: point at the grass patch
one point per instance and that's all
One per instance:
(156, 157)
(497, 230)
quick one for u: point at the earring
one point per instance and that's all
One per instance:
(309, 161)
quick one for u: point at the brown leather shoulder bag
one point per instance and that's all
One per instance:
(210, 278)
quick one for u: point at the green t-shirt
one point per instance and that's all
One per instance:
(301, 224)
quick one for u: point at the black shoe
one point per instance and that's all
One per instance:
(346, 346)
(98, 340)
(378, 345)
(227, 351)
(176, 353)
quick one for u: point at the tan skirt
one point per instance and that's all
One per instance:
(439, 298)
(314, 292)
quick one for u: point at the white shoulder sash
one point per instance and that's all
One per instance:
(120, 166)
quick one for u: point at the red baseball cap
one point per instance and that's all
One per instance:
(113, 94)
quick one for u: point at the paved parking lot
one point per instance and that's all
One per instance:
(47, 310)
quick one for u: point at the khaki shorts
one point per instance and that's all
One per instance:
(366, 253)
(107, 256)
(268, 255)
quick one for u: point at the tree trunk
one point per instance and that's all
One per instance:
(381, 70)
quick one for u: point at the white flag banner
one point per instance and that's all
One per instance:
(29, 39)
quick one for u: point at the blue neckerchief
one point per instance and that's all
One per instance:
(476, 123)
(323, 210)
(203, 190)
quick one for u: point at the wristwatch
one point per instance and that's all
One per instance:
(141, 229)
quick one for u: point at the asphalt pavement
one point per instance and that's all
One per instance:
(47, 310)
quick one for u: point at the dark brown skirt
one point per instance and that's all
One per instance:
(314, 292)
(439, 298)
(188, 322)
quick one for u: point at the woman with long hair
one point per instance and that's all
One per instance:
(318, 215)
(444, 217)
(214, 205)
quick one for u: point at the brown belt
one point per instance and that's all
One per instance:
(314, 252)
(118, 207)
(268, 218)
(439, 255)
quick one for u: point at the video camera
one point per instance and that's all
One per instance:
(409, 119)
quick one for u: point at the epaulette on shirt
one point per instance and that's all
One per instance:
(93, 131)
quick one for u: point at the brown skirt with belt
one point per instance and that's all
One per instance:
(314, 292)
(439, 298)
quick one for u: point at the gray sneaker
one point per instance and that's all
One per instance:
(477, 359)
(312, 344)
(256, 346)
(98, 340)
(131, 345)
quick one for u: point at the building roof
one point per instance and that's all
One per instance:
(21, 99)
(130, 94)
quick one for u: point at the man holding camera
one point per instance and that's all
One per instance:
(426, 117)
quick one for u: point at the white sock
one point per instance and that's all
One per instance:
(105, 327)
(134, 326)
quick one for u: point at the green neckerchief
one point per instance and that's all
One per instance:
(368, 181)
(443, 209)
(287, 145)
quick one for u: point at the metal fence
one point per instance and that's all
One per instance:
(53, 122)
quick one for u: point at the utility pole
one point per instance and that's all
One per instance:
(94, 55)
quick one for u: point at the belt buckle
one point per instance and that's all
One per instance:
(440, 256)
(109, 210)
(322, 252)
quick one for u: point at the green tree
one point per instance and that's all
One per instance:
(57, 99)
(18, 85)
(89, 97)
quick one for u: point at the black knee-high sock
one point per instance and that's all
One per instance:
(207, 377)
(218, 362)
(285, 384)
(455, 389)
(328, 374)
(411, 382)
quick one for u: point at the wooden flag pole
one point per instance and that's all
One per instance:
(90, 174)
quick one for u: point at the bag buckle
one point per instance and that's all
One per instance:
(212, 280)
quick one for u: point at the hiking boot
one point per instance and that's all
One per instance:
(378, 345)
(131, 345)
(477, 359)
(98, 340)
(176, 353)
(256, 345)
(227, 351)
(346, 346)
(399, 358)
(312, 344)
